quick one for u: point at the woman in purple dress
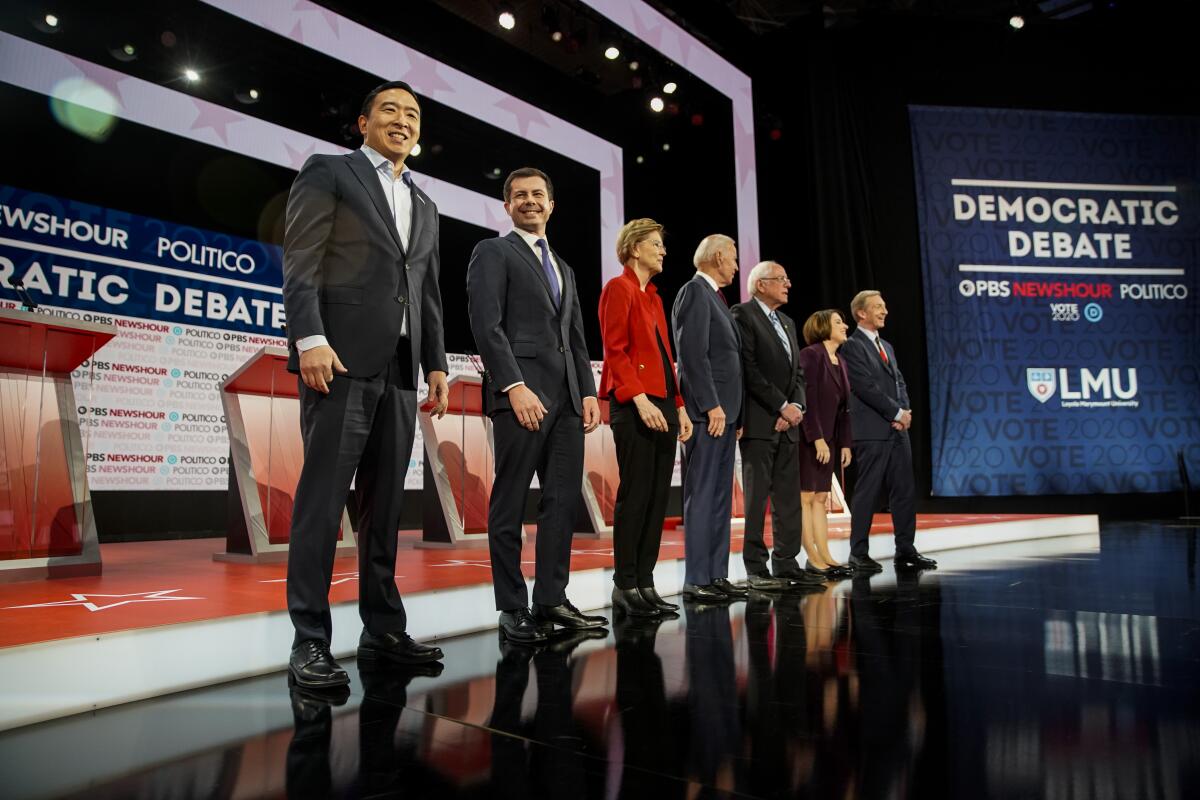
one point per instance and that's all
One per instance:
(826, 433)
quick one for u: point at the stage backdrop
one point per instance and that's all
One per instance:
(1060, 256)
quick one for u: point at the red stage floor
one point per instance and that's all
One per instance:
(151, 584)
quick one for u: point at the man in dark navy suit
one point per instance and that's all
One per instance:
(364, 310)
(541, 397)
(710, 380)
(880, 416)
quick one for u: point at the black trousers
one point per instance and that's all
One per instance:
(884, 466)
(645, 460)
(771, 469)
(364, 425)
(555, 453)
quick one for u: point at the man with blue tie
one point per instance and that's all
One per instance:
(541, 397)
(880, 416)
(710, 380)
(364, 311)
(774, 408)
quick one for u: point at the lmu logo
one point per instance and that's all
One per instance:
(1040, 382)
(1106, 383)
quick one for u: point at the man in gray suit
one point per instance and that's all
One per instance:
(360, 287)
(710, 380)
(541, 397)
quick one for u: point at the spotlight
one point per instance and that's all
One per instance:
(612, 53)
(1016, 22)
(191, 75)
(247, 96)
(507, 20)
(124, 52)
(666, 146)
(416, 150)
(657, 104)
(49, 23)
(640, 159)
(253, 94)
(633, 65)
(557, 36)
(670, 87)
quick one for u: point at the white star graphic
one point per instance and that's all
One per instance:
(85, 600)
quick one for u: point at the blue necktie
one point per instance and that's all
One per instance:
(548, 268)
(787, 346)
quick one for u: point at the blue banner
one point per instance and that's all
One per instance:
(86, 257)
(1060, 255)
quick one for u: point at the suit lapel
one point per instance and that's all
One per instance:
(420, 208)
(360, 165)
(526, 254)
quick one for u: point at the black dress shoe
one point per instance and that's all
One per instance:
(565, 615)
(651, 596)
(804, 583)
(520, 626)
(631, 602)
(725, 587)
(396, 647)
(914, 560)
(864, 564)
(312, 667)
(842, 571)
(823, 573)
(765, 583)
(704, 594)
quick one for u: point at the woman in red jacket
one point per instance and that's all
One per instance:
(826, 433)
(645, 411)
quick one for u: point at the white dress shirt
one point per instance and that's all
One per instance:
(874, 337)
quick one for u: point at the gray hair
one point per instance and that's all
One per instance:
(859, 303)
(709, 247)
(761, 270)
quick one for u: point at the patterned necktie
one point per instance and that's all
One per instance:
(882, 352)
(548, 268)
(787, 346)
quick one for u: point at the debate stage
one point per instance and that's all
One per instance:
(165, 617)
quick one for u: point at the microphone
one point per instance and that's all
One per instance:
(476, 362)
(27, 301)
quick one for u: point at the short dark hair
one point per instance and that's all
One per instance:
(369, 100)
(527, 172)
(819, 326)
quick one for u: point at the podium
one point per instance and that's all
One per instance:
(262, 414)
(47, 526)
(459, 468)
(601, 478)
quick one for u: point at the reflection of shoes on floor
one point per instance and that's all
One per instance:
(311, 666)
(733, 590)
(636, 630)
(308, 705)
(802, 582)
(568, 640)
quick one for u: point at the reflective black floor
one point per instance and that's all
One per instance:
(1066, 668)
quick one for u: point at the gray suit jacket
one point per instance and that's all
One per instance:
(521, 336)
(345, 275)
(707, 348)
(877, 390)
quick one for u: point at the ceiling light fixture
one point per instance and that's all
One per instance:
(612, 53)
(507, 20)
(657, 104)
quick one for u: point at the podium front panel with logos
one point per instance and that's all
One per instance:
(262, 412)
(47, 527)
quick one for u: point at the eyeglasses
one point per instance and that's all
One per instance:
(783, 279)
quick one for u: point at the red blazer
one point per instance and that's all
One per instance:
(628, 319)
